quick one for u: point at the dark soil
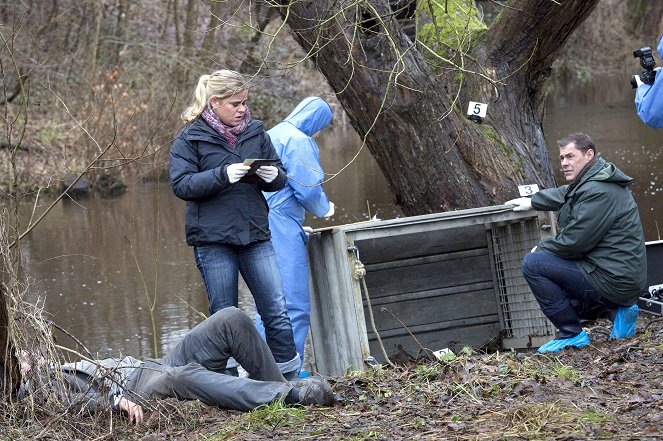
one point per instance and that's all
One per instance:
(608, 390)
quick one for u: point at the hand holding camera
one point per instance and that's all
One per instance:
(648, 63)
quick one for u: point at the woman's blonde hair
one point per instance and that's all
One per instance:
(219, 84)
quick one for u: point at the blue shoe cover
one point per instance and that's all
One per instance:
(578, 341)
(624, 325)
(304, 374)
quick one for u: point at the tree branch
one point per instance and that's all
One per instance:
(536, 29)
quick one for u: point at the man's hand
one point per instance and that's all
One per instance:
(520, 204)
(134, 411)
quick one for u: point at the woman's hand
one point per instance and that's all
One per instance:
(267, 173)
(236, 171)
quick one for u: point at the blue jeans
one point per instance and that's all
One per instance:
(563, 293)
(220, 266)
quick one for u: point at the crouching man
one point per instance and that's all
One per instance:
(193, 370)
(596, 265)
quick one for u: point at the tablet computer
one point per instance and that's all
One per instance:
(255, 163)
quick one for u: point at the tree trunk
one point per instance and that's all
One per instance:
(11, 374)
(414, 118)
(262, 16)
(190, 27)
(96, 43)
(121, 32)
(176, 22)
(209, 41)
(646, 16)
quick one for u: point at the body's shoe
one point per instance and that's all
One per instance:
(315, 390)
(625, 321)
(578, 341)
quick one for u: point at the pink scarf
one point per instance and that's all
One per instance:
(230, 133)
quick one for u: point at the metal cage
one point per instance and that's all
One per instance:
(522, 323)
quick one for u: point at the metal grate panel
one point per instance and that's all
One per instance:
(521, 318)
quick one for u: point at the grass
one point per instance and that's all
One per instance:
(274, 415)
(607, 390)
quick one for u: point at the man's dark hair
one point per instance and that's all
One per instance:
(582, 142)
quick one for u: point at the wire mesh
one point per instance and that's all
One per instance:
(520, 315)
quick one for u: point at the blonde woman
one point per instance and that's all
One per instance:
(226, 214)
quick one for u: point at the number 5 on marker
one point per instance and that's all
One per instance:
(478, 109)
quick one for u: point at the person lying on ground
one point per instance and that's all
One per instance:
(192, 370)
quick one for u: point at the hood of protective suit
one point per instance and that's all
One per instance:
(660, 47)
(310, 115)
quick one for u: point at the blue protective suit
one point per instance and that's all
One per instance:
(287, 207)
(649, 99)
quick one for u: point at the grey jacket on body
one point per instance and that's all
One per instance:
(84, 386)
(106, 378)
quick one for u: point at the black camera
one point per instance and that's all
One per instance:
(648, 63)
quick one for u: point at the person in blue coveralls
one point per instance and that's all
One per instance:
(293, 140)
(596, 265)
(649, 98)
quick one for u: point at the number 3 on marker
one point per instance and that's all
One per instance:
(528, 190)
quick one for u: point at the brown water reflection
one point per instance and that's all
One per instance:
(604, 109)
(83, 263)
(95, 262)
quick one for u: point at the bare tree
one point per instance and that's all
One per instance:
(408, 99)
(645, 16)
(14, 131)
(190, 33)
(209, 40)
(261, 15)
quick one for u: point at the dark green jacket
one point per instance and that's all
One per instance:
(600, 229)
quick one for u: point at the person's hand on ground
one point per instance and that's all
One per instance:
(134, 411)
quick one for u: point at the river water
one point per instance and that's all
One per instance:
(99, 264)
